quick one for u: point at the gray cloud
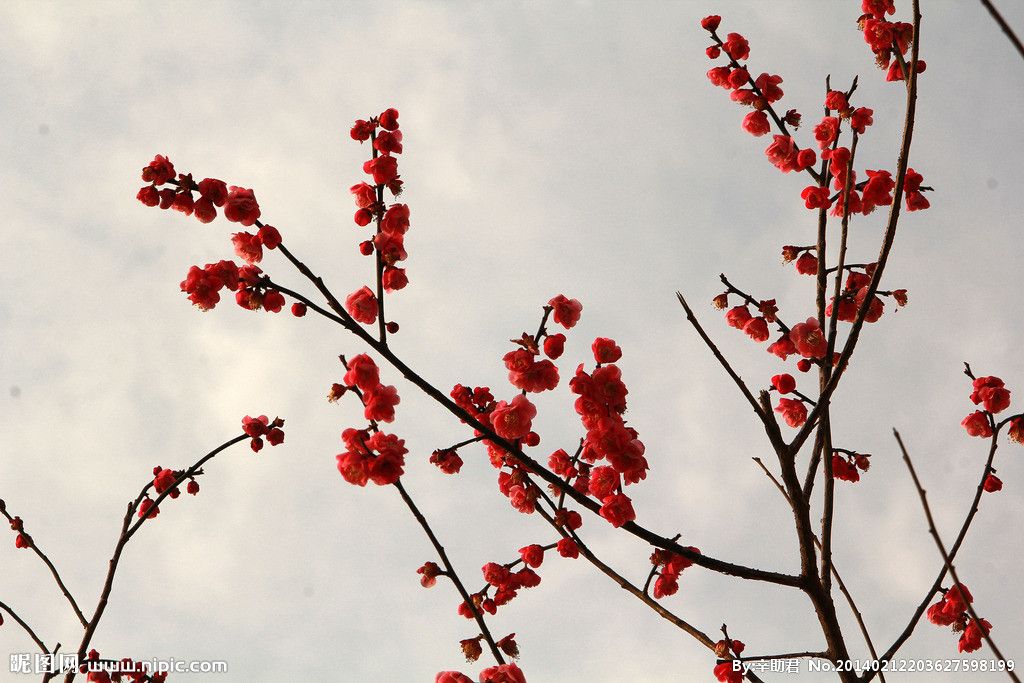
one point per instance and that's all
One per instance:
(574, 147)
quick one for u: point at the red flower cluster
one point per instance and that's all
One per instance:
(853, 295)
(760, 93)
(370, 455)
(567, 547)
(606, 350)
(428, 574)
(513, 420)
(806, 263)
(784, 383)
(566, 311)
(392, 222)
(793, 411)
(515, 486)
(1016, 431)
(504, 673)
(992, 484)
(952, 611)
(239, 203)
(809, 339)
(601, 403)
(670, 565)
(260, 427)
(478, 402)
(724, 671)
(741, 318)
(447, 460)
(163, 481)
(376, 457)
(529, 374)
(532, 555)
(203, 285)
(912, 189)
(378, 400)
(885, 38)
(847, 466)
(783, 152)
(506, 583)
(990, 393)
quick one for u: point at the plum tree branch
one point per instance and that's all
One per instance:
(529, 463)
(946, 559)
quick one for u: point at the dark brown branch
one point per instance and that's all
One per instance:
(108, 585)
(934, 531)
(540, 330)
(768, 419)
(887, 241)
(382, 328)
(633, 590)
(826, 373)
(25, 626)
(936, 585)
(450, 572)
(49, 565)
(181, 478)
(462, 443)
(749, 299)
(1003, 25)
(342, 316)
(835, 572)
(127, 531)
(525, 460)
(767, 105)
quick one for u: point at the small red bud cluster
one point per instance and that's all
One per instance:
(951, 610)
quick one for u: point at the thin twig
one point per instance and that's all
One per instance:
(968, 520)
(25, 626)
(767, 105)
(450, 572)
(127, 531)
(722, 359)
(180, 479)
(1003, 25)
(947, 560)
(750, 300)
(49, 565)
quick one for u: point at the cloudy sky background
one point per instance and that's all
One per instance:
(573, 147)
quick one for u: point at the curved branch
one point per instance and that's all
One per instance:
(529, 463)
(49, 565)
(24, 625)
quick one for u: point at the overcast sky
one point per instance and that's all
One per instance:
(571, 147)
